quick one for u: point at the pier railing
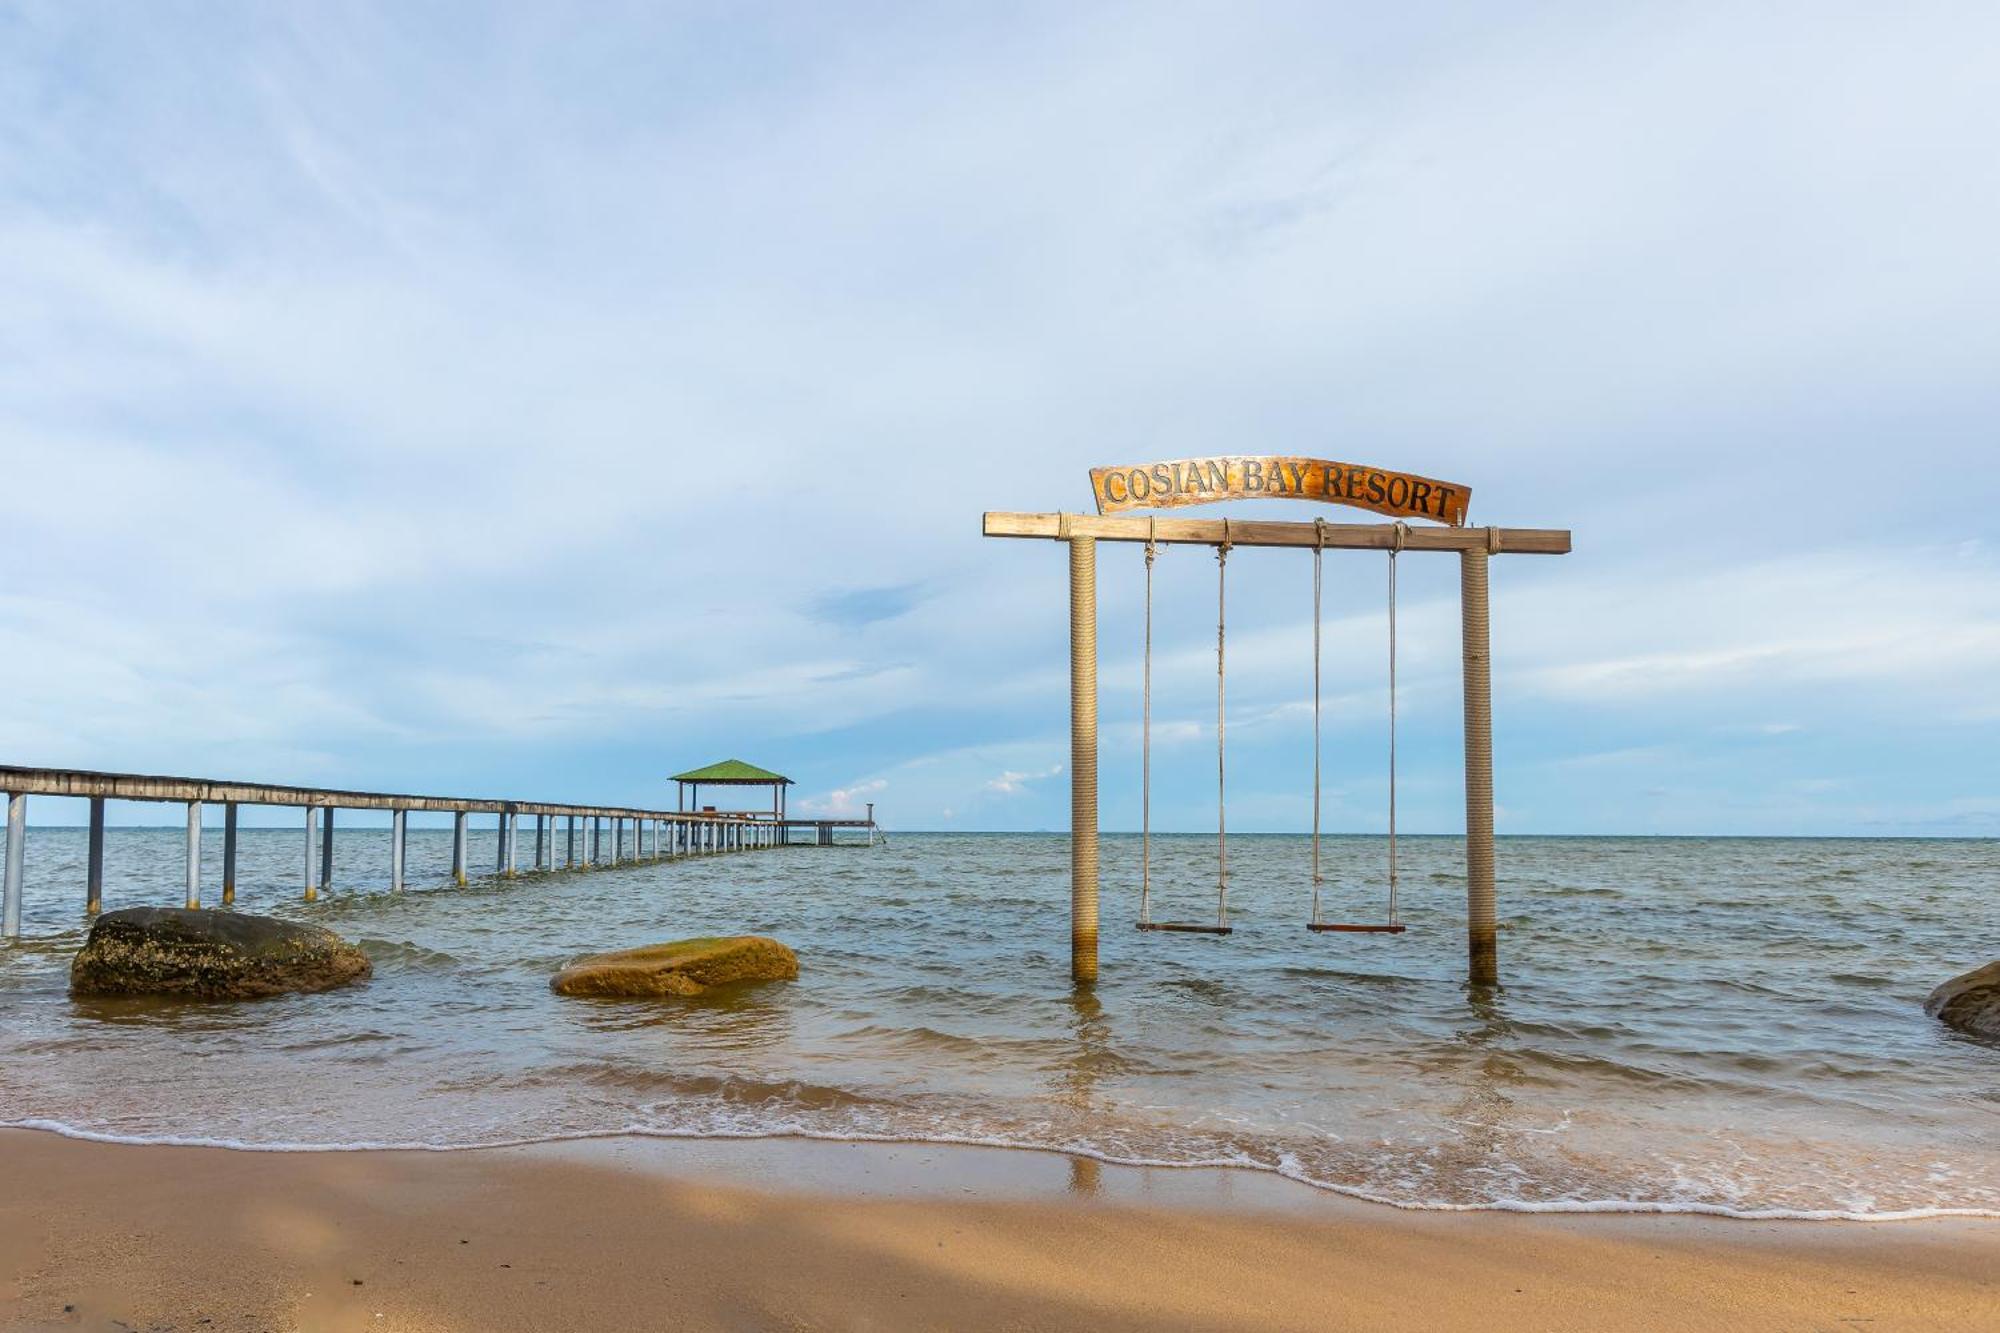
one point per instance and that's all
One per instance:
(674, 833)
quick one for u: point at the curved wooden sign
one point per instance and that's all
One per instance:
(1198, 481)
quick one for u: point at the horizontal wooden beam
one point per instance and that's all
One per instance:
(145, 787)
(1255, 532)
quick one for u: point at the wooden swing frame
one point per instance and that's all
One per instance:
(1474, 547)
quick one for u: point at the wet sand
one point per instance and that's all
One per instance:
(788, 1234)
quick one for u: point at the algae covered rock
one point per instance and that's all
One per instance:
(684, 967)
(1970, 1003)
(208, 955)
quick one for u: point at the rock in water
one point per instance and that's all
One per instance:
(209, 955)
(685, 967)
(1970, 1003)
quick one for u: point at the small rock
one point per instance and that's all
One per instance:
(209, 955)
(684, 967)
(1970, 1003)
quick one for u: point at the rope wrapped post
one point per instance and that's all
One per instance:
(1480, 930)
(1083, 760)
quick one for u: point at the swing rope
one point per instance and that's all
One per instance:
(1319, 551)
(1146, 747)
(1394, 925)
(1400, 531)
(1221, 794)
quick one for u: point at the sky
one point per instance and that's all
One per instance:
(503, 400)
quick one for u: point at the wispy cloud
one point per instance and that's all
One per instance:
(411, 409)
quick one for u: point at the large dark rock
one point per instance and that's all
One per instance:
(209, 955)
(1970, 1003)
(685, 967)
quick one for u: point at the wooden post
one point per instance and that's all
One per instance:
(510, 822)
(93, 875)
(1083, 760)
(541, 839)
(500, 845)
(398, 827)
(10, 883)
(194, 855)
(1480, 929)
(569, 848)
(458, 848)
(326, 854)
(229, 854)
(312, 853)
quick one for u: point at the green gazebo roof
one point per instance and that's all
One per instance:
(732, 770)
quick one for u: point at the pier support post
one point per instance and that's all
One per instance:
(617, 838)
(569, 849)
(10, 880)
(1480, 927)
(458, 848)
(541, 839)
(326, 854)
(1083, 760)
(509, 821)
(194, 855)
(398, 827)
(93, 875)
(312, 853)
(229, 854)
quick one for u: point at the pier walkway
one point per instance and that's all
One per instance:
(655, 834)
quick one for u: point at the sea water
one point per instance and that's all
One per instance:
(1726, 1025)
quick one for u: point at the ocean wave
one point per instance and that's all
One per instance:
(1285, 1169)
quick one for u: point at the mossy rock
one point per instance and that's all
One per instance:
(207, 955)
(684, 967)
(1970, 1003)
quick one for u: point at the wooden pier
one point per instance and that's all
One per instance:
(594, 835)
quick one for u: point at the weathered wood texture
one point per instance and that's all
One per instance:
(1246, 532)
(1200, 481)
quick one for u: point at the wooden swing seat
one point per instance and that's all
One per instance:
(1395, 929)
(1185, 928)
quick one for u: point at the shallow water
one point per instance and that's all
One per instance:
(1729, 1025)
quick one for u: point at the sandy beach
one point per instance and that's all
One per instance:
(635, 1234)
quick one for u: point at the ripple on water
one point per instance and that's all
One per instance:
(1690, 1025)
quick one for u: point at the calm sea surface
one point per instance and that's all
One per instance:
(1724, 1024)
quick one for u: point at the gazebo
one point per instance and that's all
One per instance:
(730, 773)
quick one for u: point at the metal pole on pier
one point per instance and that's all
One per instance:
(194, 855)
(10, 883)
(326, 854)
(1083, 760)
(93, 875)
(229, 854)
(1481, 934)
(458, 848)
(398, 827)
(312, 852)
